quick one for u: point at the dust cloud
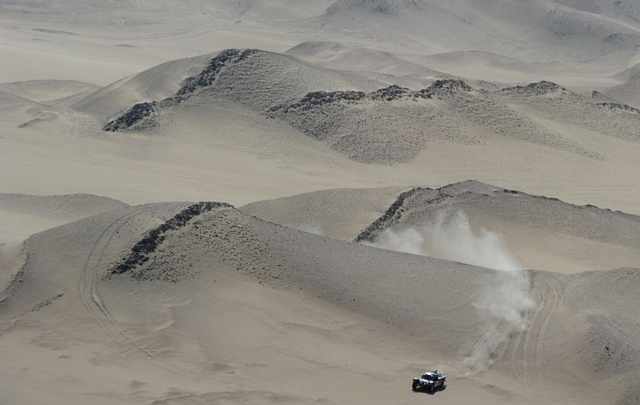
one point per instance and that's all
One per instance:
(503, 302)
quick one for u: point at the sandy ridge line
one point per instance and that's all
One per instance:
(140, 111)
(154, 237)
(393, 212)
(442, 87)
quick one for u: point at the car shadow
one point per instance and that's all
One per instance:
(423, 390)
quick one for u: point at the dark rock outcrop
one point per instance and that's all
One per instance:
(140, 251)
(142, 115)
(536, 89)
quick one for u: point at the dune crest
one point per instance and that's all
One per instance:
(421, 185)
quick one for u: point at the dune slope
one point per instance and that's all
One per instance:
(143, 284)
(389, 125)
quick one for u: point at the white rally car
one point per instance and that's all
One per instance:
(432, 380)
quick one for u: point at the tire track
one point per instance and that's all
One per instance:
(88, 290)
(481, 351)
(523, 354)
(512, 349)
(513, 363)
(555, 291)
(82, 282)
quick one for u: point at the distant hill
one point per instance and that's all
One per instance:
(385, 126)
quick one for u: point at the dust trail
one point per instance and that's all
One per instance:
(503, 305)
(451, 237)
(409, 240)
(310, 228)
(505, 300)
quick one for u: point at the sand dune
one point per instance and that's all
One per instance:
(428, 114)
(242, 236)
(46, 90)
(541, 233)
(631, 74)
(199, 247)
(23, 215)
(551, 21)
(573, 238)
(535, 31)
(349, 128)
(42, 117)
(19, 110)
(358, 124)
(340, 214)
(337, 56)
(254, 78)
(212, 133)
(628, 91)
(623, 9)
(154, 84)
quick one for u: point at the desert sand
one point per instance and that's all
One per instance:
(261, 202)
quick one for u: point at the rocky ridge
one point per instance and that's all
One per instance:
(144, 115)
(389, 125)
(141, 251)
